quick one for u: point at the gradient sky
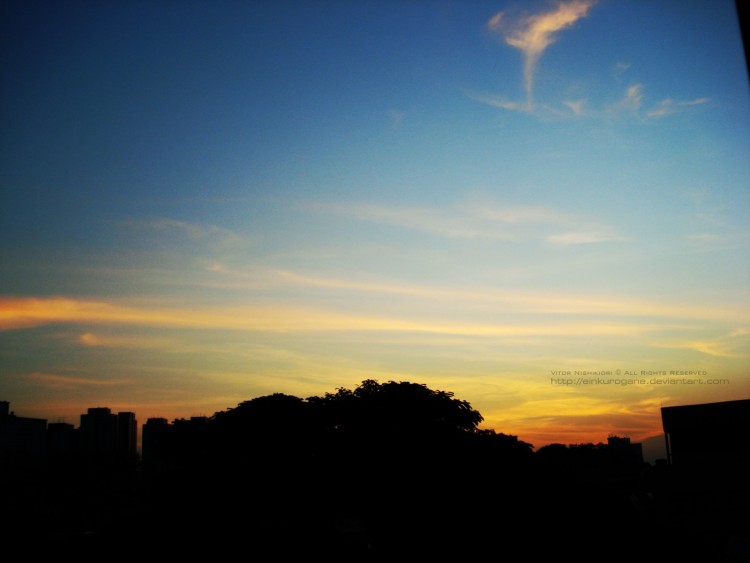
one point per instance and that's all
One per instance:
(206, 202)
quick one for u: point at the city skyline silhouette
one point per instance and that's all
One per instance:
(381, 470)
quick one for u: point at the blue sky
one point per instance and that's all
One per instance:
(204, 202)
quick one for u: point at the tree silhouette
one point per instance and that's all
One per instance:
(403, 459)
(403, 407)
(393, 414)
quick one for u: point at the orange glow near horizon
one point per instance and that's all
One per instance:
(508, 369)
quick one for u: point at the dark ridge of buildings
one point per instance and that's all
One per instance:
(210, 504)
(164, 443)
(702, 435)
(102, 437)
(625, 450)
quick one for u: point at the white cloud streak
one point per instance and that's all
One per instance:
(502, 103)
(433, 221)
(578, 107)
(480, 220)
(731, 345)
(56, 381)
(583, 237)
(193, 231)
(26, 313)
(670, 106)
(634, 101)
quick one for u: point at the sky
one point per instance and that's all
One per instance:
(541, 207)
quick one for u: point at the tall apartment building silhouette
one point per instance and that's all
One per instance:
(155, 431)
(61, 440)
(108, 437)
(21, 438)
(127, 435)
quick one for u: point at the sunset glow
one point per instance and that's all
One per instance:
(541, 207)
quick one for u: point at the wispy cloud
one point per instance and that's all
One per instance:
(578, 107)
(634, 101)
(193, 231)
(98, 340)
(670, 106)
(476, 303)
(472, 220)
(731, 345)
(631, 101)
(67, 382)
(500, 102)
(705, 238)
(284, 318)
(520, 214)
(584, 237)
(533, 34)
(435, 221)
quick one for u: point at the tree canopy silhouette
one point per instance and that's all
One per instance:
(373, 419)
(401, 407)
(398, 461)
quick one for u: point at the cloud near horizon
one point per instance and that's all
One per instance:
(65, 381)
(23, 313)
(33, 312)
(735, 344)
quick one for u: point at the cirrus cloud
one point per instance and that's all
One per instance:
(533, 34)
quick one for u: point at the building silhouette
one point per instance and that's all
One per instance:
(155, 434)
(126, 445)
(625, 451)
(98, 433)
(703, 435)
(108, 437)
(62, 440)
(22, 440)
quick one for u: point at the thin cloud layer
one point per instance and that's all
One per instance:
(732, 345)
(583, 237)
(670, 106)
(20, 313)
(478, 221)
(424, 219)
(57, 381)
(192, 231)
(634, 100)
